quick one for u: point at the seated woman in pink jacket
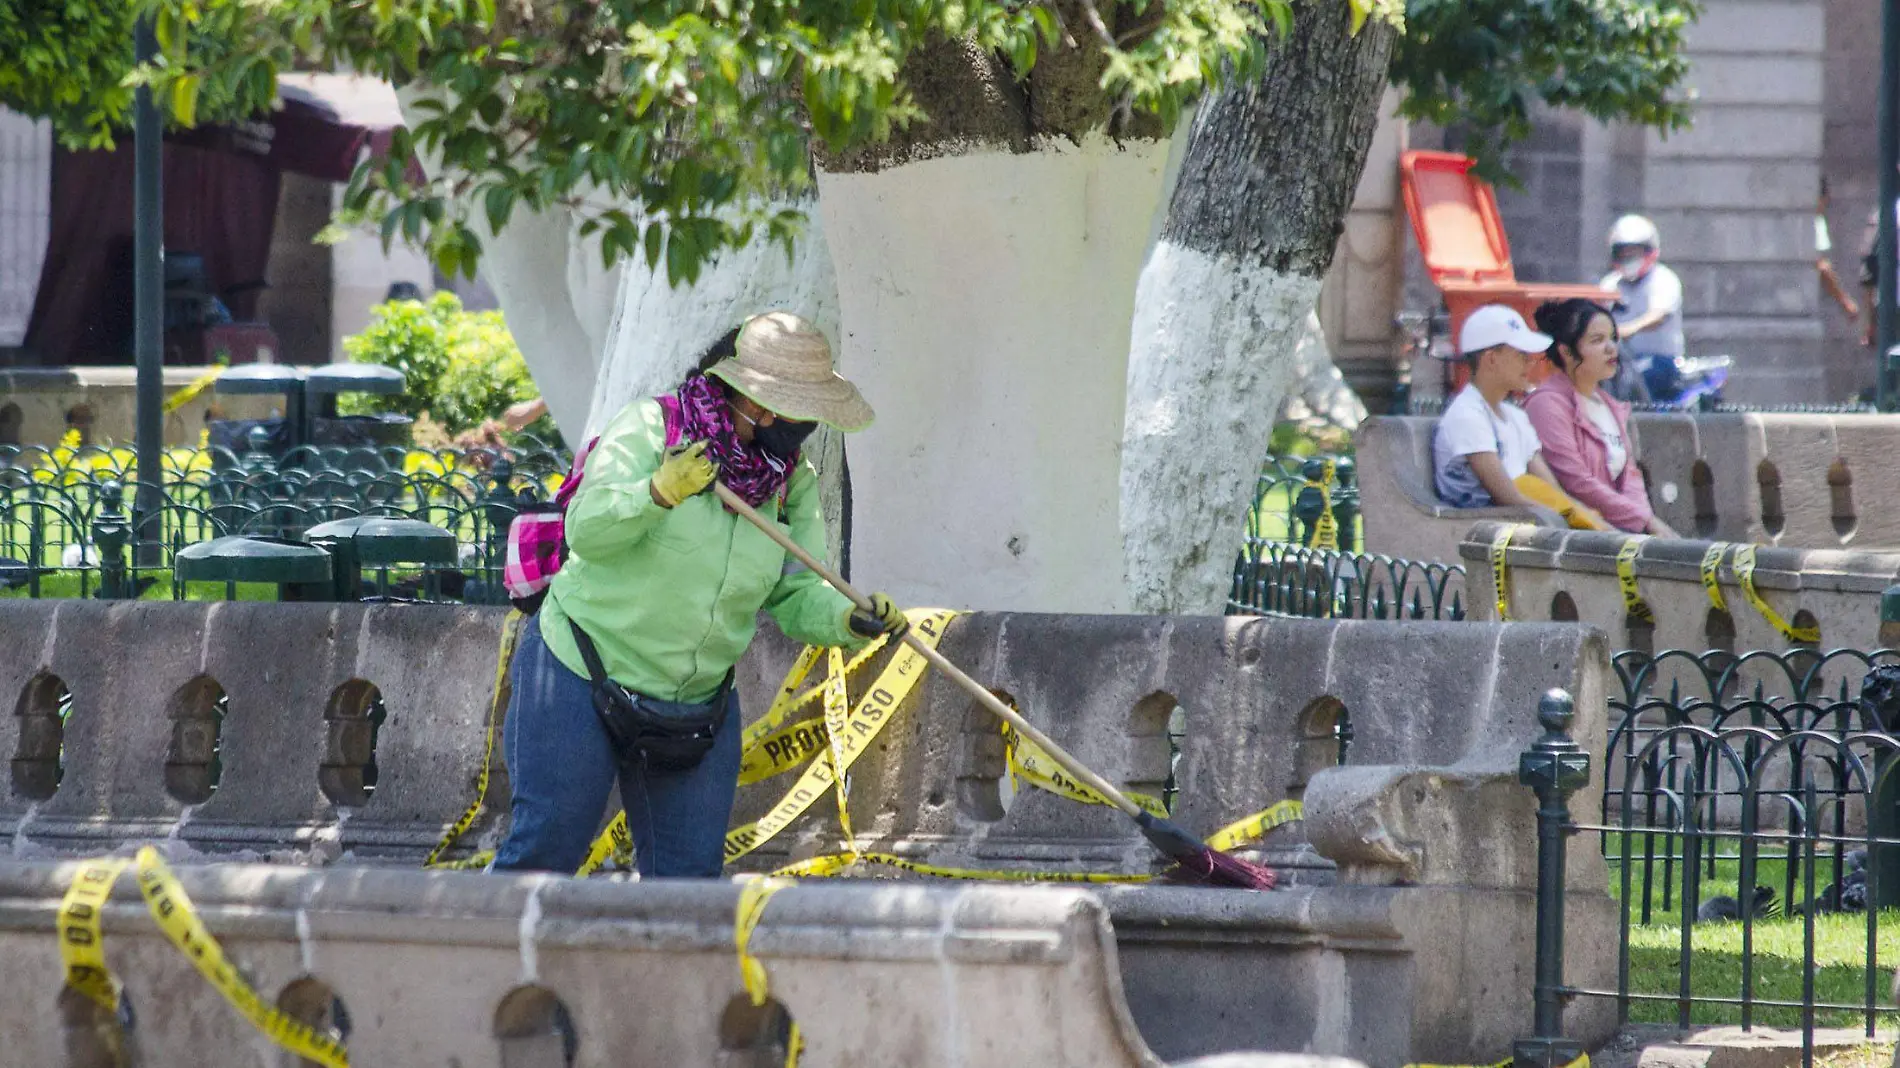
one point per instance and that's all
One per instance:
(1584, 432)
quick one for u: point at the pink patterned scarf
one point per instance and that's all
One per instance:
(754, 474)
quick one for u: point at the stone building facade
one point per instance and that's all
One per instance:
(1785, 97)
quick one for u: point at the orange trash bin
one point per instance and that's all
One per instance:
(1461, 238)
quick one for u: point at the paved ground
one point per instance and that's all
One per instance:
(1657, 1046)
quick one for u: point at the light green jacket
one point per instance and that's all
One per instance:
(671, 597)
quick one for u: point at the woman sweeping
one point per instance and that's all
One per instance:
(625, 673)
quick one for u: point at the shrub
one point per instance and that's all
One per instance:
(460, 368)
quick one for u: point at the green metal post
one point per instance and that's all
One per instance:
(1881, 707)
(110, 532)
(1346, 503)
(1554, 768)
(501, 505)
(148, 302)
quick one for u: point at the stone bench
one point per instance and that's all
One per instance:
(466, 969)
(1420, 843)
(1400, 510)
(1766, 478)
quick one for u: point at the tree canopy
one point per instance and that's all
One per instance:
(1484, 63)
(660, 121)
(664, 124)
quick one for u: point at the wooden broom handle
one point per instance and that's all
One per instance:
(937, 660)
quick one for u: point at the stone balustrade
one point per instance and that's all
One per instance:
(1566, 575)
(348, 735)
(1805, 481)
(540, 972)
(1765, 478)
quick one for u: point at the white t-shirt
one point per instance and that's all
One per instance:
(1604, 420)
(1469, 426)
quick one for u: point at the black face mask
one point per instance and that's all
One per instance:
(783, 437)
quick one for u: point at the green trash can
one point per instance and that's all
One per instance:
(379, 543)
(338, 538)
(300, 572)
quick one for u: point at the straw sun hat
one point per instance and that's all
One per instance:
(783, 363)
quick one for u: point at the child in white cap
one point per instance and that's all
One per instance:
(1484, 447)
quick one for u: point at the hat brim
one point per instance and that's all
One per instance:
(834, 402)
(1528, 342)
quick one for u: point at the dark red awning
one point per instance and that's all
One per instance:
(220, 203)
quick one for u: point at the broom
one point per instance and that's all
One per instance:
(1196, 858)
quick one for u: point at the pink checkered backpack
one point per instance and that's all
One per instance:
(537, 539)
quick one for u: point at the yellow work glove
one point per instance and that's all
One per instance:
(684, 472)
(883, 618)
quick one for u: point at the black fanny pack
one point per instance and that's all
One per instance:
(665, 735)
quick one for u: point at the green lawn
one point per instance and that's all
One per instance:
(1840, 946)
(68, 584)
(1840, 976)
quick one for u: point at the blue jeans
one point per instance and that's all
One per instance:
(562, 768)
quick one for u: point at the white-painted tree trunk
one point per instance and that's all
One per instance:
(553, 292)
(987, 298)
(551, 289)
(1319, 390)
(1251, 230)
(1211, 359)
(659, 331)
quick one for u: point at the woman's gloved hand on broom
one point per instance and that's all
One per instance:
(883, 618)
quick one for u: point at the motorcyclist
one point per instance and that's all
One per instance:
(1649, 304)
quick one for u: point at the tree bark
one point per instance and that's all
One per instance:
(1255, 217)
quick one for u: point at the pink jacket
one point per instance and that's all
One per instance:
(1577, 455)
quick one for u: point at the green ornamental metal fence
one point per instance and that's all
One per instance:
(66, 528)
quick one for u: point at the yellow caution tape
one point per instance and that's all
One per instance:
(1030, 763)
(1326, 528)
(772, 745)
(1743, 564)
(1711, 575)
(81, 946)
(190, 392)
(789, 698)
(615, 843)
(871, 715)
(497, 704)
(1255, 827)
(832, 864)
(1633, 602)
(1234, 835)
(752, 899)
(781, 750)
(1500, 577)
(837, 717)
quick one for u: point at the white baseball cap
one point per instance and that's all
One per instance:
(1495, 324)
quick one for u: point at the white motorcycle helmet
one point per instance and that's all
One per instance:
(1635, 246)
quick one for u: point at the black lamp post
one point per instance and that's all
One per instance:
(148, 304)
